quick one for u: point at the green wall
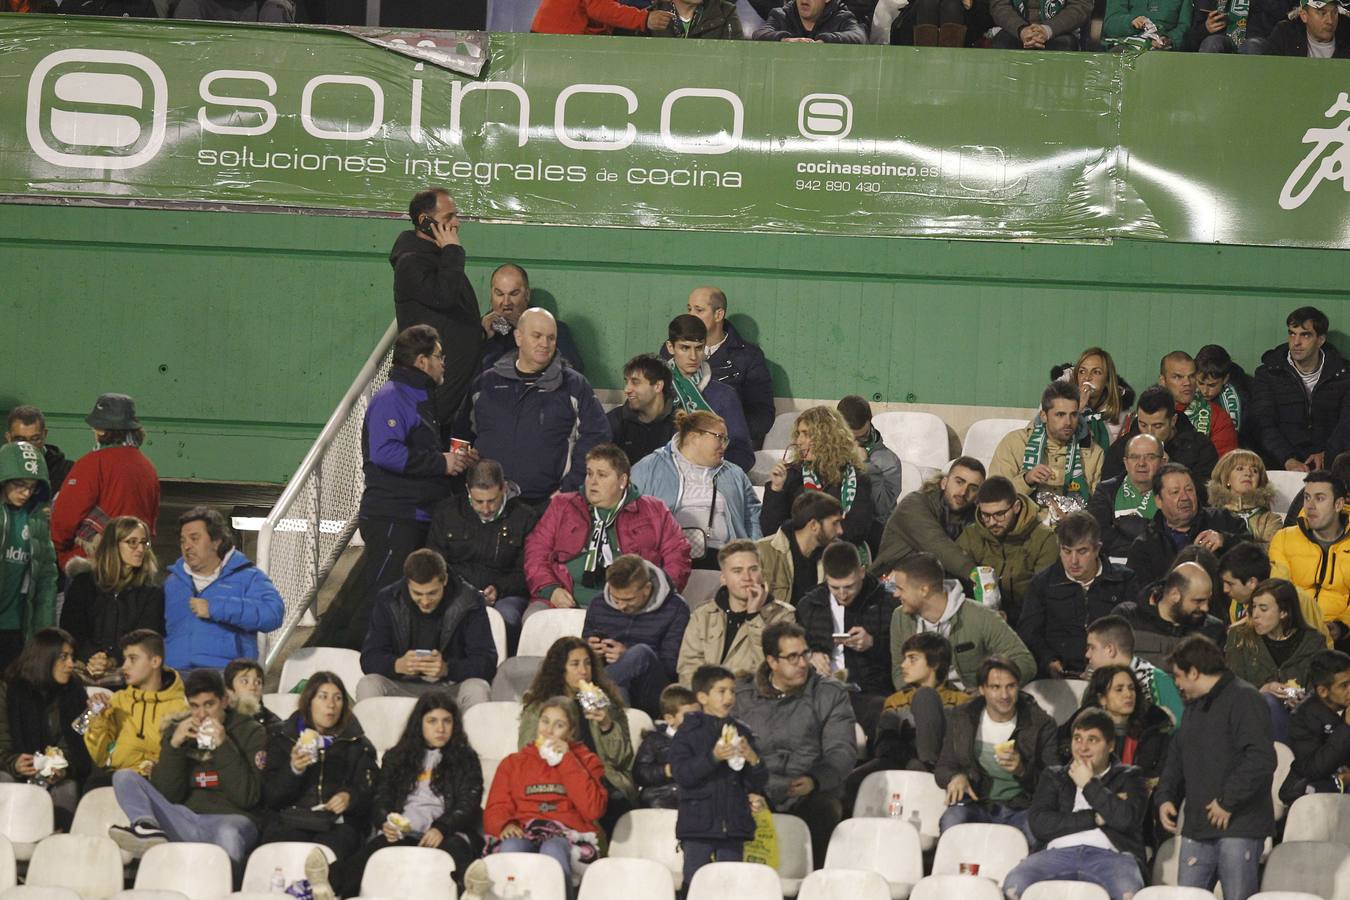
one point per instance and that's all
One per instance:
(237, 333)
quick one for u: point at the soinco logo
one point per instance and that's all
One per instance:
(825, 117)
(97, 109)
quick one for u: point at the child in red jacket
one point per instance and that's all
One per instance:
(547, 797)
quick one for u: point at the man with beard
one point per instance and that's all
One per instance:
(1179, 522)
(1177, 607)
(930, 520)
(1047, 461)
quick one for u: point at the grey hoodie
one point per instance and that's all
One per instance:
(659, 624)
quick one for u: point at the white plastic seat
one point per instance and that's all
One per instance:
(345, 664)
(889, 847)
(199, 871)
(741, 880)
(283, 705)
(919, 794)
(536, 876)
(26, 817)
(1319, 817)
(844, 884)
(703, 584)
(409, 872)
(544, 627)
(497, 625)
(1287, 485)
(639, 723)
(288, 856)
(492, 729)
(997, 848)
(956, 887)
(780, 432)
(1284, 761)
(9, 869)
(917, 436)
(1173, 892)
(1311, 867)
(983, 437)
(765, 460)
(649, 834)
(1065, 890)
(794, 852)
(34, 892)
(383, 720)
(1060, 697)
(912, 477)
(139, 894)
(625, 879)
(1283, 895)
(98, 810)
(1166, 861)
(90, 866)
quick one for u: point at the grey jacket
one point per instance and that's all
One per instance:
(885, 481)
(806, 732)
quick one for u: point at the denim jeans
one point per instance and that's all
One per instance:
(989, 814)
(512, 610)
(642, 676)
(1116, 873)
(1234, 861)
(142, 802)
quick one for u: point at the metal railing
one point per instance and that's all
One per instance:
(305, 533)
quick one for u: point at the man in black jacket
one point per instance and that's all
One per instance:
(1298, 393)
(994, 752)
(481, 536)
(1320, 32)
(811, 21)
(1077, 589)
(428, 631)
(1180, 521)
(430, 288)
(1090, 814)
(645, 422)
(734, 361)
(1123, 506)
(1319, 730)
(28, 424)
(848, 629)
(1220, 763)
(1172, 609)
(1157, 416)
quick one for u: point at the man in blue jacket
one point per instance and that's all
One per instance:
(538, 417)
(637, 626)
(215, 599)
(428, 631)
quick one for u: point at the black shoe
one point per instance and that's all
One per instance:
(137, 837)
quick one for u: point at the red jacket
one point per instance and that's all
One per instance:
(118, 480)
(587, 17)
(572, 793)
(645, 527)
(1222, 434)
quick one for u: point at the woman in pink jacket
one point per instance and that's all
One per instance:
(582, 533)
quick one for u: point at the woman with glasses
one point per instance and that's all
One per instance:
(1240, 485)
(27, 557)
(711, 498)
(121, 594)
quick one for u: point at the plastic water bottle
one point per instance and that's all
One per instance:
(895, 809)
(509, 890)
(86, 718)
(278, 883)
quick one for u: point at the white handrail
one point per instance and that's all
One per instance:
(316, 521)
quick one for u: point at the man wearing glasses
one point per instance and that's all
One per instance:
(1008, 537)
(1124, 505)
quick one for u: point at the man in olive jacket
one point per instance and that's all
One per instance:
(207, 785)
(931, 519)
(1008, 537)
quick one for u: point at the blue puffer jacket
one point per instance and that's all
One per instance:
(243, 602)
(713, 796)
(660, 624)
(401, 449)
(657, 475)
(539, 431)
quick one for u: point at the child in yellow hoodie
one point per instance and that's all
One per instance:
(126, 734)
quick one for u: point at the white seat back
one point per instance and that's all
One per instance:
(302, 663)
(26, 817)
(887, 846)
(383, 720)
(1311, 867)
(951, 887)
(1065, 890)
(794, 852)
(200, 871)
(97, 811)
(741, 880)
(492, 728)
(626, 879)
(1284, 761)
(284, 705)
(649, 834)
(917, 436)
(90, 866)
(288, 856)
(536, 876)
(912, 477)
(982, 438)
(1173, 892)
(780, 433)
(1282, 895)
(997, 848)
(1287, 485)
(844, 884)
(544, 627)
(34, 892)
(1319, 817)
(498, 627)
(1060, 697)
(147, 894)
(703, 584)
(639, 723)
(9, 869)
(919, 796)
(409, 872)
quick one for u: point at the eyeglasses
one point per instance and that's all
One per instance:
(439, 357)
(721, 438)
(995, 515)
(793, 658)
(133, 543)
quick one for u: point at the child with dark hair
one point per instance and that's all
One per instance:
(244, 691)
(1221, 382)
(651, 770)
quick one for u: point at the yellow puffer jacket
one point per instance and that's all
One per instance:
(1296, 556)
(127, 732)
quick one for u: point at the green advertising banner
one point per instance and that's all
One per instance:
(877, 141)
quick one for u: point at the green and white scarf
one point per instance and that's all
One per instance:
(1232, 404)
(688, 397)
(1049, 9)
(1075, 479)
(1198, 413)
(848, 492)
(597, 546)
(1096, 428)
(1129, 498)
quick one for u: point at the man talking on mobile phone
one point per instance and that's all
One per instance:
(430, 288)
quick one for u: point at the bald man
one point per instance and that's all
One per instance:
(534, 415)
(509, 298)
(734, 361)
(1174, 607)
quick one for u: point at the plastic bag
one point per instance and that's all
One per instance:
(763, 847)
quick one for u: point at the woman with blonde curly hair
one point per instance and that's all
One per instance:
(1240, 485)
(826, 458)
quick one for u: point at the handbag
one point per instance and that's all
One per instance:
(316, 820)
(698, 537)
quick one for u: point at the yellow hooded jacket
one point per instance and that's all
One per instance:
(127, 732)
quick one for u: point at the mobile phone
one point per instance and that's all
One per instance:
(841, 635)
(426, 225)
(423, 652)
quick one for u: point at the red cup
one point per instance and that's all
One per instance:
(970, 868)
(458, 445)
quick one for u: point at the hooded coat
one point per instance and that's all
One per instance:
(401, 449)
(464, 633)
(779, 565)
(1034, 735)
(38, 587)
(526, 787)
(242, 600)
(485, 553)
(974, 631)
(1154, 636)
(1252, 508)
(1289, 423)
(705, 641)
(1008, 454)
(1250, 659)
(836, 25)
(659, 624)
(713, 797)
(922, 522)
(661, 475)
(871, 610)
(224, 781)
(1026, 549)
(348, 764)
(127, 732)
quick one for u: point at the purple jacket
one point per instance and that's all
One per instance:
(401, 449)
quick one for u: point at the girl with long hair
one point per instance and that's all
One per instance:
(826, 458)
(1272, 647)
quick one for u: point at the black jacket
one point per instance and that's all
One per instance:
(1119, 795)
(31, 720)
(1290, 38)
(465, 639)
(348, 764)
(58, 467)
(836, 25)
(714, 20)
(1151, 738)
(1034, 735)
(1154, 636)
(1152, 552)
(656, 790)
(458, 780)
(713, 804)
(1222, 751)
(484, 553)
(1056, 613)
(637, 438)
(1188, 447)
(872, 610)
(499, 345)
(741, 366)
(777, 506)
(1118, 532)
(1320, 740)
(1288, 424)
(430, 288)
(97, 619)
